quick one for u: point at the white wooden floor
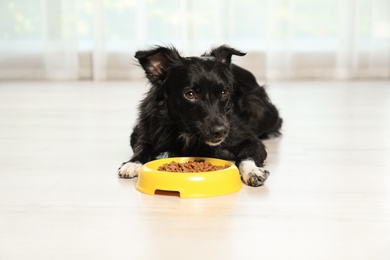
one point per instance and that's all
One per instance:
(328, 195)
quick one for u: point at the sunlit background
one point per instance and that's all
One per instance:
(284, 39)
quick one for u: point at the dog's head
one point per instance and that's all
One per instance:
(197, 90)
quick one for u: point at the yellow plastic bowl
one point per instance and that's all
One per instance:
(189, 185)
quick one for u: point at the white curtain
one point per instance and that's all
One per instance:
(284, 39)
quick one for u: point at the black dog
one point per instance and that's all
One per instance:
(202, 106)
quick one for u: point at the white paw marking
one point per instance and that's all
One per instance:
(129, 170)
(251, 174)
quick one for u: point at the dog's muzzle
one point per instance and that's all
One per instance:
(218, 134)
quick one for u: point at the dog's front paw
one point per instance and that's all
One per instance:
(129, 170)
(251, 174)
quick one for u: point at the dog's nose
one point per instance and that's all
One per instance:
(219, 131)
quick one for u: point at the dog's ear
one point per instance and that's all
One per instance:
(224, 54)
(156, 61)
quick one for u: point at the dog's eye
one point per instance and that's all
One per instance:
(225, 93)
(190, 95)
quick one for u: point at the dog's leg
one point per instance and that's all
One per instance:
(129, 170)
(250, 157)
(251, 174)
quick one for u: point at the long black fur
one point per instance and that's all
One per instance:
(202, 106)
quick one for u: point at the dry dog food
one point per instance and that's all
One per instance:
(191, 166)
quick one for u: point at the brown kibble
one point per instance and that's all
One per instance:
(191, 166)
